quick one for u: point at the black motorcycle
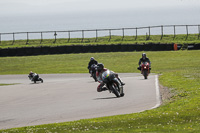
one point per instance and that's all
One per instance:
(35, 77)
(93, 71)
(112, 83)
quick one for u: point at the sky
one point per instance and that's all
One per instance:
(43, 7)
(45, 15)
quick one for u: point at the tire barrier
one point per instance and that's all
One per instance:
(29, 51)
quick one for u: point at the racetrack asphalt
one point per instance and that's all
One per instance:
(68, 97)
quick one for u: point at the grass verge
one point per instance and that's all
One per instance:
(7, 84)
(142, 39)
(180, 72)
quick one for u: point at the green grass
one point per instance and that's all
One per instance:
(7, 84)
(166, 39)
(180, 72)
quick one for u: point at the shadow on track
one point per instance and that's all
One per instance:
(105, 98)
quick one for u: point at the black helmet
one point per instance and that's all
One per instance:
(100, 67)
(143, 55)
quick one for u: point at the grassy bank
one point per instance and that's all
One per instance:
(142, 39)
(180, 72)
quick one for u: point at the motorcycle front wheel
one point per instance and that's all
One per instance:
(94, 76)
(115, 89)
(41, 80)
(145, 74)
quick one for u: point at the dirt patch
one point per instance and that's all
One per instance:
(165, 93)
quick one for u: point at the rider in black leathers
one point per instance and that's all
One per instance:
(144, 59)
(33, 76)
(92, 61)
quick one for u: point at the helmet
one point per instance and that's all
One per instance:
(92, 58)
(100, 67)
(143, 55)
(31, 72)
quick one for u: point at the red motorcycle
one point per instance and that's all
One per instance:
(145, 69)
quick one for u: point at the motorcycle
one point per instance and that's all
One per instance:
(112, 83)
(35, 78)
(93, 71)
(145, 69)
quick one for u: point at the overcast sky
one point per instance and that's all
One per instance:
(21, 7)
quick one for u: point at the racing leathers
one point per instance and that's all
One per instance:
(91, 63)
(99, 79)
(32, 76)
(142, 60)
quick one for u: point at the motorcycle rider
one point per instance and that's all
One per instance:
(32, 76)
(144, 59)
(100, 69)
(92, 61)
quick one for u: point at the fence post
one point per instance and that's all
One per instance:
(55, 34)
(27, 39)
(82, 35)
(136, 34)
(149, 33)
(109, 34)
(122, 34)
(174, 31)
(199, 31)
(146, 36)
(68, 36)
(161, 32)
(187, 32)
(41, 38)
(96, 35)
(13, 38)
(0, 38)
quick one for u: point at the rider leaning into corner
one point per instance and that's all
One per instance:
(144, 59)
(100, 69)
(92, 61)
(31, 74)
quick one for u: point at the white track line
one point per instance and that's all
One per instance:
(158, 98)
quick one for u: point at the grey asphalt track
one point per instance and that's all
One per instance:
(68, 97)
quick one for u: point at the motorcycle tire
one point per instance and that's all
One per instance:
(145, 74)
(115, 90)
(41, 80)
(94, 77)
(121, 95)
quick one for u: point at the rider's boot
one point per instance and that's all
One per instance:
(104, 89)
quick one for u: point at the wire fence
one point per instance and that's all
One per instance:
(96, 33)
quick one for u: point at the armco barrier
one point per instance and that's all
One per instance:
(196, 47)
(28, 51)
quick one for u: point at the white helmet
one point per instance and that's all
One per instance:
(144, 55)
(92, 58)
